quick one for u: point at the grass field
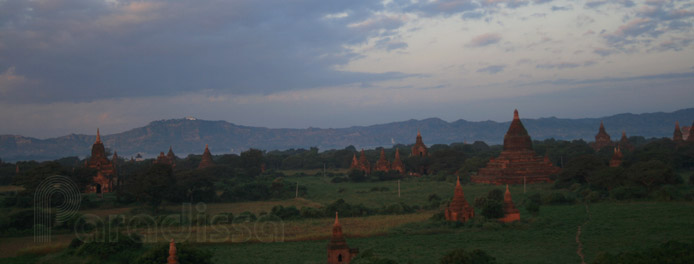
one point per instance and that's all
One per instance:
(613, 227)
(413, 238)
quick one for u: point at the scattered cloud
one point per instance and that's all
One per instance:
(559, 66)
(493, 69)
(485, 40)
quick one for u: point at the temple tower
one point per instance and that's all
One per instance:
(616, 159)
(338, 250)
(518, 163)
(105, 173)
(602, 139)
(397, 164)
(419, 149)
(690, 137)
(624, 142)
(382, 164)
(172, 259)
(206, 160)
(511, 213)
(677, 135)
(459, 209)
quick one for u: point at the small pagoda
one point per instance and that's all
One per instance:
(602, 139)
(338, 250)
(106, 177)
(677, 135)
(511, 213)
(518, 163)
(459, 210)
(616, 159)
(382, 164)
(361, 164)
(397, 164)
(419, 149)
(206, 160)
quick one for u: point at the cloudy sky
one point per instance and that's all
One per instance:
(72, 66)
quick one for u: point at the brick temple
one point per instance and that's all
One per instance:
(206, 160)
(169, 158)
(511, 213)
(602, 139)
(517, 162)
(106, 176)
(459, 209)
(338, 251)
(361, 164)
(624, 142)
(384, 165)
(419, 149)
(677, 135)
(616, 159)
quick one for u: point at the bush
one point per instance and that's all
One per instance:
(112, 244)
(669, 252)
(532, 207)
(629, 192)
(476, 256)
(667, 193)
(556, 198)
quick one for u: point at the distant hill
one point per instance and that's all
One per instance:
(190, 135)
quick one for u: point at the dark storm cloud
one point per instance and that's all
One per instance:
(85, 49)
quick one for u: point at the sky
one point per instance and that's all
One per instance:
(72, 66)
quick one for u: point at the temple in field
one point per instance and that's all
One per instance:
(511, 213)
(624, 142)
(518, 162)
(106, 175)
(206, 160)
(338, 251)
(169, 159)
(602, 139)
(384, 165)
(459, 210)
(419, 149)
(616, 159)
(361, 164)
(677, 135)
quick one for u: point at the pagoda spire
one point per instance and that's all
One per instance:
(602, 128)
(515, 115)
(98, 136)
(172, 259)
(337, 220)
(677, 135)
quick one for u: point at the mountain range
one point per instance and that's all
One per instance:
(189, 135)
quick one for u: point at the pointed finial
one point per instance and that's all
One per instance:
(98, 136)
(515, 114)
(457, 183)
(337, 221)
(206, 146)
(677, 124)
(418, 133)
(507, 188)
(170, 148)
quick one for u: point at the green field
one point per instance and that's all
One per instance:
(548, 238)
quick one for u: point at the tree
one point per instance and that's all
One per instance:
(252, 161)
(153, 185)
(652, 173)
(579, 169)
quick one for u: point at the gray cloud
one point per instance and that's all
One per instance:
(484, 40)
(493, 69)
(562, 8)
(560, 66)
(85, 50)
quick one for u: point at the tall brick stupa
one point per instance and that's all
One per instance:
(518, 161)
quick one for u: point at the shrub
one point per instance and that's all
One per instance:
(667, 193)
(532, 207)
(476, 256)
(113, 243)
(629, 192)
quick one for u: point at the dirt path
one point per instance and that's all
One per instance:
(579, 251)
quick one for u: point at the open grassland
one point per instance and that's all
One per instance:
(550, 238)
(413, 191)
